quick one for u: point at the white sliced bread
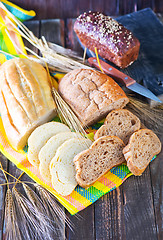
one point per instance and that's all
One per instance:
(121, 123)
(62, 168)
(40, 136)
(104, 154)
(48, 151)
(142, 147)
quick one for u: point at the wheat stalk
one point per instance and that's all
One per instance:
(62, 59)
(27, 217)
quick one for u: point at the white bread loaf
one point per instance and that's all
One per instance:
(62, 167)
(142, 147)
(104, 154)
(40, 136)
(121, 123)
(25, 99)
(48, 151)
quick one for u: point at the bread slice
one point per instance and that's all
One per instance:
(142, 147)
(104, 154)
(62, 167)
(121, 123)
(48, 151)
(40, 136)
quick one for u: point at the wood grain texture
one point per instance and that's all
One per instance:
(138, 208)
(109, 216)
(4, 163)
(84, 228)
(55, 30)
(71, 9)
(156, 170)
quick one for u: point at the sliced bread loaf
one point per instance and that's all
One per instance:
(62, 167)
(121, 123)
(104, 154)
(142, 147)
(40, 136)
(48, 151)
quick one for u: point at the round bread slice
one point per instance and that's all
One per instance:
(121, 123)
(48, 151)
(142, 147)
(104, 154)
(40, 136)
(62, 167)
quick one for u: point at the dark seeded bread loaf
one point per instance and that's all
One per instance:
(112, 40)
(91, 94)
(143, 146)
(121, 123)
(104, 154)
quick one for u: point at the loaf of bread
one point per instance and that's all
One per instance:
(25, 99)
(62, 167)
(91, 94)
(112, 40)
(48, 151)
(40, 136)
(121, 123)
(142, 147)
(104, 154)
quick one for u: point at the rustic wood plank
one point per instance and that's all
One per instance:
(4, 163)
(145, 4)
(55, 30)
(34, 27)
(156, 169)
(138, 208)
(127, 6)
(109, 216)
(71, 9)
(158, 6)
(71, 39)
(83, 225)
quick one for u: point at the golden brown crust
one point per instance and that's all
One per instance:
(91, 94)
(137, 146)
(79, 160)
(121, 123)
(26, 98)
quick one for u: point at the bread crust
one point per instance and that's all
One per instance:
(129, 151)
(26, 96)
(78, 160)
(91, 94)
(121, 123)
(112, 40)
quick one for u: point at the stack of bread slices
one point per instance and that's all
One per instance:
(66, 158)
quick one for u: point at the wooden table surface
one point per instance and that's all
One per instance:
(132, 211)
